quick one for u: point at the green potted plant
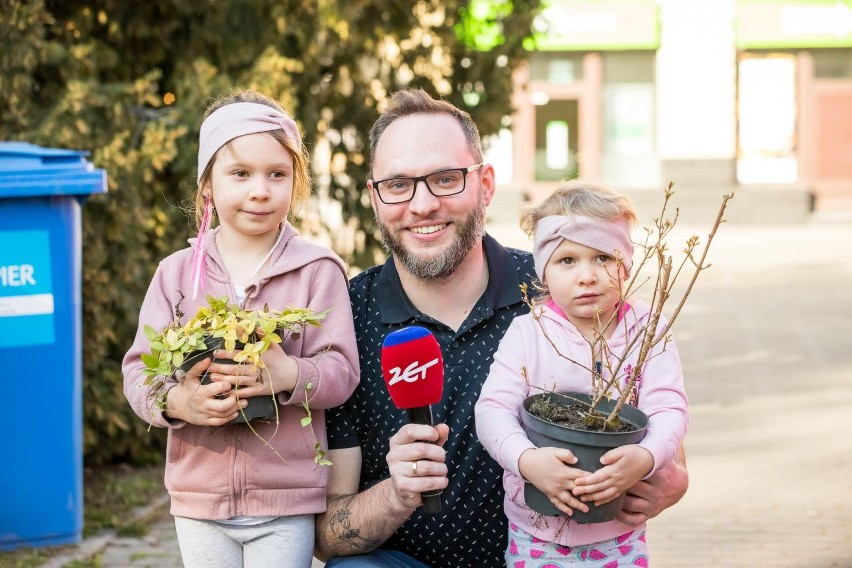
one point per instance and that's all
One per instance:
(220, 325)
(592, 424)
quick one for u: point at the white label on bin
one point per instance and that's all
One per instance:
(34, 305)
(27, 310)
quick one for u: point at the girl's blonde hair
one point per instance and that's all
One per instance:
(579, 198)
(301, 160)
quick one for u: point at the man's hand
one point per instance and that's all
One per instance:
(649, 498)
(357, 523)
(421, 445)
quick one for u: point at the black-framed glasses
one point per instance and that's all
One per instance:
(442, 183)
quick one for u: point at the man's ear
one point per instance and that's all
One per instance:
(488, 183)
(372, 194)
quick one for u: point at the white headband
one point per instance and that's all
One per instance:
(605, 235)
(239, 119)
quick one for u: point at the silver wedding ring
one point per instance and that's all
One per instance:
(414, 468)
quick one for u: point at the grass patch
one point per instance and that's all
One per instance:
(109, 495)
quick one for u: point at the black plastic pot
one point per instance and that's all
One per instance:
(259, 407)
(588, 446)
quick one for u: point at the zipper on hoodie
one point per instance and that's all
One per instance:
(239, 501)
(237, 478)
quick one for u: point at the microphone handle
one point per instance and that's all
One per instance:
(431, 499)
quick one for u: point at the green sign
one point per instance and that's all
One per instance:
(596, 25)
(766, 24)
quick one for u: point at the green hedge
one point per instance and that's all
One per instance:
(97, 76)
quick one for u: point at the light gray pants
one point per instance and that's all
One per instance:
(285, 542)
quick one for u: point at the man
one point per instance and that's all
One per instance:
(429, 190)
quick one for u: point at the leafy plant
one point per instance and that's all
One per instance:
(255, 330)
(604, 377)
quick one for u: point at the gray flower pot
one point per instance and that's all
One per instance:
(588, 446)
(259, 407)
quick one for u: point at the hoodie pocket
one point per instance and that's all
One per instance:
(173, 446)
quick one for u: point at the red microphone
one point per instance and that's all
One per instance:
(413, 368)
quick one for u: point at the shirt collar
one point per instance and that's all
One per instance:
(503, 285)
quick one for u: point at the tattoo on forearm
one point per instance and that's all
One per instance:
(340, 525)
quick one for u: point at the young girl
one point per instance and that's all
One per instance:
(237, 500)
(580, 232)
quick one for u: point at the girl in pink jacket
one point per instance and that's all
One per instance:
(580, 231)
(246, 494)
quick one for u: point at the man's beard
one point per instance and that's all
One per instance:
(468, 233)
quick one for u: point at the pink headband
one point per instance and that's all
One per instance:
(605, 235)
(238, 119)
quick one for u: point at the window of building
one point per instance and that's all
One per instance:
(556, 140)
(556, 67)
(629, 154)
(766, 118)
(832, 63)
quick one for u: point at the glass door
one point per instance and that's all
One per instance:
(556, 140)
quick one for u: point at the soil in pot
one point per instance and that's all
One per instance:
(259, 407)
(587, 445)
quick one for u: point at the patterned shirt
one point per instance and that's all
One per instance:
(471, 528)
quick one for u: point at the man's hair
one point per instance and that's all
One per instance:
(417, 101)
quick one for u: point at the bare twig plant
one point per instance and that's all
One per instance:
(654, 254)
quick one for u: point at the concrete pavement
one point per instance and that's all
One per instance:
(764, 342)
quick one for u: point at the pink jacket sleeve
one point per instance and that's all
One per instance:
(157, 311)
(663, 398)
(498, 421)
(328, 355)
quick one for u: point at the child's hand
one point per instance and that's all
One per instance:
(279, 373)
(212, 404)
(548, 469)
(623, 468)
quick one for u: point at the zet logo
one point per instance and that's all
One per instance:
(411, 373)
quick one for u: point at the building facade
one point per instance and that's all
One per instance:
(746, 96)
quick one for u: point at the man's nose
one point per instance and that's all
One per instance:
(423, 201)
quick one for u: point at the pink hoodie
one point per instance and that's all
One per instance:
(221, 472)
(498, 411)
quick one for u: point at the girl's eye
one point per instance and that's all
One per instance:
(240, 173)
(604, 258)
(567, 260)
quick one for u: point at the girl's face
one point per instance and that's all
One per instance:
(583, 281)
(252, 184)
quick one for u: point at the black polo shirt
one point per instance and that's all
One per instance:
(471, 529)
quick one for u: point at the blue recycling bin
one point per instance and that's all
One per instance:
(41, 478)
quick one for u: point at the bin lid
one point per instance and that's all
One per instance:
(27, 170)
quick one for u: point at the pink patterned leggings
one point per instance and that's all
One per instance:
(527, 551)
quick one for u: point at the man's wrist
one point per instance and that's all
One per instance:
(360, 523)
(398, 509)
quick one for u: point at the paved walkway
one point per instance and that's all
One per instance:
(765, 347)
